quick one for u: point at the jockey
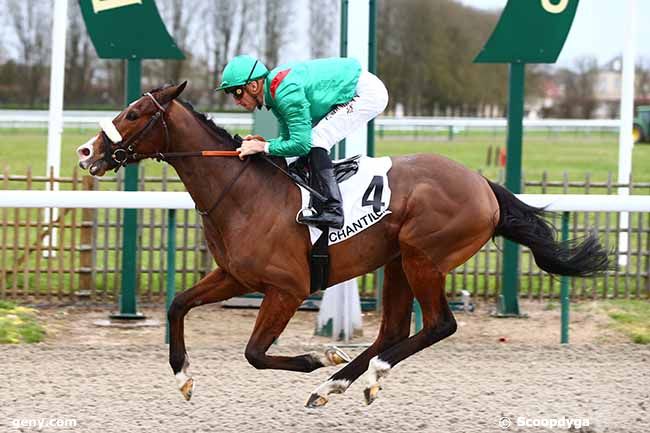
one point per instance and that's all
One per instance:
(317, 104)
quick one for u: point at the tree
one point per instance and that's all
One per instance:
(425, 55)
(31, 23)
(229, 26)
(323, 23)
(276, 18)
(178, 16)
(81, 59)
(642, 87)
(579, 89)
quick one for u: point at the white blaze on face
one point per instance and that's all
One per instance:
(109, 128)
(85, 152)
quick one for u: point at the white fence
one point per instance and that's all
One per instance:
(39, 119)
(82, 119)
(88, 250)
(182, 200)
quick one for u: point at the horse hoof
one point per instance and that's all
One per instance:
(371, 393)
(187, 389)
(336, 356)
(316, 401)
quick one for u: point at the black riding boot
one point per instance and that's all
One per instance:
(329, 213)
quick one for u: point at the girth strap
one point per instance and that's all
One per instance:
(319, 263)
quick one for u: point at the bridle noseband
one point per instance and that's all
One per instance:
(121, 153)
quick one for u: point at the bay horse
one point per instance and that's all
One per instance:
(442, 214)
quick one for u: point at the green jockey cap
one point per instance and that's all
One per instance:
(241, 70)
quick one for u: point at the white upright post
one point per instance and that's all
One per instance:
(358, 47)
(340, 308)
(625, 140)
(341, 303)
(55, 122)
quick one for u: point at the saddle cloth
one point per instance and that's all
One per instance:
(366, 196)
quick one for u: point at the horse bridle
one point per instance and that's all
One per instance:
(123, 152)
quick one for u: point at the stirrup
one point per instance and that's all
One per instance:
(311, 212)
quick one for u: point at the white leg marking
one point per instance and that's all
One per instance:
(376, 370)
(182, 376)
(181, 379)
(338, 386)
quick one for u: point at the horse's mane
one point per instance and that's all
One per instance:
(220, 132)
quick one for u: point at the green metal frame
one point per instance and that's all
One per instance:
(527, 32)
(564, 287)
(142, 35)
(171, 265)
(509, 301)
(338, 152)
(128, 298)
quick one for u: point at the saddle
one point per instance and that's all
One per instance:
(343, 169)
(319, 263)
(298, 171)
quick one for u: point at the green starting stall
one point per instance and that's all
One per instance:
(530, 31)
(129, 30)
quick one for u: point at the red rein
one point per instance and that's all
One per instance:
(220, 153)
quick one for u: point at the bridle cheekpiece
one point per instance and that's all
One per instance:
(120, 153)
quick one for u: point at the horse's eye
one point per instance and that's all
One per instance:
(131, 115)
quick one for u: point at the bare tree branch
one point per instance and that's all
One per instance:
(276, 19)
(323, 23)
(81, 59)
(31, 20)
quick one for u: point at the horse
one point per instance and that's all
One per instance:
(442, 214)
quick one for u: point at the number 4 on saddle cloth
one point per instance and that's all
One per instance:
(366, 195)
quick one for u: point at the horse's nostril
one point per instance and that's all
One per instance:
(84, 152)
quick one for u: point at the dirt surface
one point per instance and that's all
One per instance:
(118, 380)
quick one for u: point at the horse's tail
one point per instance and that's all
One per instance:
(525, 225)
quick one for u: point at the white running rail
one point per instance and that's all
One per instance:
(182, 200)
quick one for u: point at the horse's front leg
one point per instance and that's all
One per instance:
(397, 300)
(214, 287)
(274, 314)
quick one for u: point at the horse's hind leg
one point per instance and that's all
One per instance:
(397, 300)
(428, 286)
(214, 287)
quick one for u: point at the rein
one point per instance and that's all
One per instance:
(126, 153)
(226, 189)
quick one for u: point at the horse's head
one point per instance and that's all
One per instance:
(140, 131)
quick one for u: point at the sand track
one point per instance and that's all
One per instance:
(119, 381)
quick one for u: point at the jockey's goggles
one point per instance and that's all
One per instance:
(238, 91)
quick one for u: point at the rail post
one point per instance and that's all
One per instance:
(564, 287)
(527, 32)
(128, 297)
(171, 266)
(86, 282)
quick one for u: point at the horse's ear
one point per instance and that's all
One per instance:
(172, 92)
(179, 89)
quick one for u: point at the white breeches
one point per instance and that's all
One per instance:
(371, 99)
